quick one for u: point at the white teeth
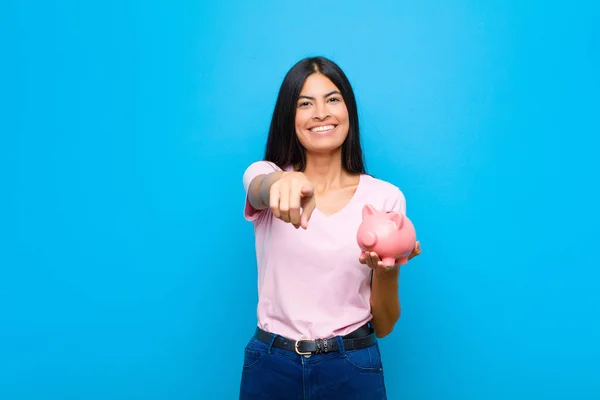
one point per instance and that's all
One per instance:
(323, 128)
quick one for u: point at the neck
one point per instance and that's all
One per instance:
(325, 170)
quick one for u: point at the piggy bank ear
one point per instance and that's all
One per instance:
(397, 219)
(368, 210)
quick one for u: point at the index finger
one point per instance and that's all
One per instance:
(307, 211)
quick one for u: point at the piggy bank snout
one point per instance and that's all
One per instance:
(369, 239)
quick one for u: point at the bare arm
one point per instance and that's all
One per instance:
(385, 301)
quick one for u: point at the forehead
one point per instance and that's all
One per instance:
(318, 84)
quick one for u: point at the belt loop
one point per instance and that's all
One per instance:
(341, 346)
(270, 345)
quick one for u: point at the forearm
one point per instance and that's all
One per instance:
(260, 189)
(385, 301)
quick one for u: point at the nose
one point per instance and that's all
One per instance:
(321, 111)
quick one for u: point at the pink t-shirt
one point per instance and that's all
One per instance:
(310, 282)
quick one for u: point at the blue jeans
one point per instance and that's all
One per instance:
(270, 373)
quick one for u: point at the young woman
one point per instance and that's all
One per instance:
(321, 306)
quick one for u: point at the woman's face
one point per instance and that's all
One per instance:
(322, 122)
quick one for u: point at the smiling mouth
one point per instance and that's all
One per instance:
(321, 129)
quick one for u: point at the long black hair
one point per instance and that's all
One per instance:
(283, 147)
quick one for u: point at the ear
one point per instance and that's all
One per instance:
(368, 211)
(397, 219)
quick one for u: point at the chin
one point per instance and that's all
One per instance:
(323, 144)
(323, 148)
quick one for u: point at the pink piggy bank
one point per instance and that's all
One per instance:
(389, 234)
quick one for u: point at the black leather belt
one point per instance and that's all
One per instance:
(359, 339)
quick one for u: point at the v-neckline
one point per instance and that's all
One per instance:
(347, 205)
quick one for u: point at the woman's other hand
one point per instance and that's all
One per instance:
(372, 260)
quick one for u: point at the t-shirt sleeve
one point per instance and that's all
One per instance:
(255, 169)
(398, 201)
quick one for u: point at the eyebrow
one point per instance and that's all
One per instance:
(327, 95)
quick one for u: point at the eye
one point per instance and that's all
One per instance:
(303, 104)
(335, 99)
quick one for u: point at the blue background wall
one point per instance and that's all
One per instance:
(125, 129)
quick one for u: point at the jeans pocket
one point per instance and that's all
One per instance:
(365, 360)
(253, 353)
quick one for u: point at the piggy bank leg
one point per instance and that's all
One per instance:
(402, 260)
(388, 261)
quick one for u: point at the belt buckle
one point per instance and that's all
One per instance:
(298, 351)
